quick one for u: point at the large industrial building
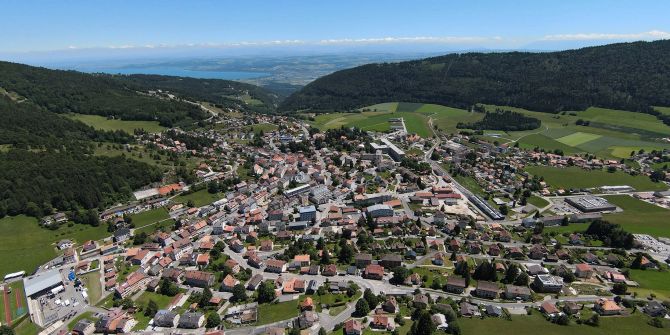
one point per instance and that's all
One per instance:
(590, 204)
(390, 149)
(42, 282)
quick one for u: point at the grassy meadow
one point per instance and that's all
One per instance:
(102, 123)
(576, 178)
(24, 245)
(610, 134)
(535, 323)
(639, 216)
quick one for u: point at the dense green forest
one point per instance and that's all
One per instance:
(75, 92)
(36, 183)
(46, 164)
(627, 76)
(503, 120)
(224, 93)
(24, 125)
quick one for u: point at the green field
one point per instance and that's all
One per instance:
(24, 245)
(611, 133)
(575, 177)
(416, 118)
(537, 201)
(102, 123)
(165, 225)
(535, 323)
(639, 216)
(150, 216)
(542, 141)
(199, 198)
(273, 312)
(265, 127)
(577, 138)
(652, 281)
(26, 327)
(91, 281)
(664, 110)
(135, 152)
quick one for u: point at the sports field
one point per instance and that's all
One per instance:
(639, 216)
(102, 123)
(13, 303)
(24, 245)
(576, 178)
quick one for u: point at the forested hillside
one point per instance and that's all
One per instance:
(46, 164)
(627, 76)
(75, 92)
(222, 92)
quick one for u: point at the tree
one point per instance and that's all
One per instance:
(370, 298)
(400, 273)
(485, 271)
(522, 279)
(6, 330)
(239, 293)
(168, 288)
(362, 308)
(213, 320)
(562, 320)
(346, 253)
(620, 288)
(325, 257)
(511, 273)
(127, 303)
(593, 320)
(205, 297)
(322, 331)
(151, 309)
(424, 325)
(266, 292)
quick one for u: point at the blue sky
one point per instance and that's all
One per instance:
(29, 26)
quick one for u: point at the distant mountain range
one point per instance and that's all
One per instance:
(627, 76)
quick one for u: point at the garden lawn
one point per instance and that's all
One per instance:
(639, 216)
(576, 178)
(161, 300)
(24, 245)
(432, 274)
(536, 324)
(270, 313)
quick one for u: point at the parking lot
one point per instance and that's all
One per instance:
(63, 302)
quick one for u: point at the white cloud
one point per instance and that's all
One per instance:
(648, 35)
(415, 39)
